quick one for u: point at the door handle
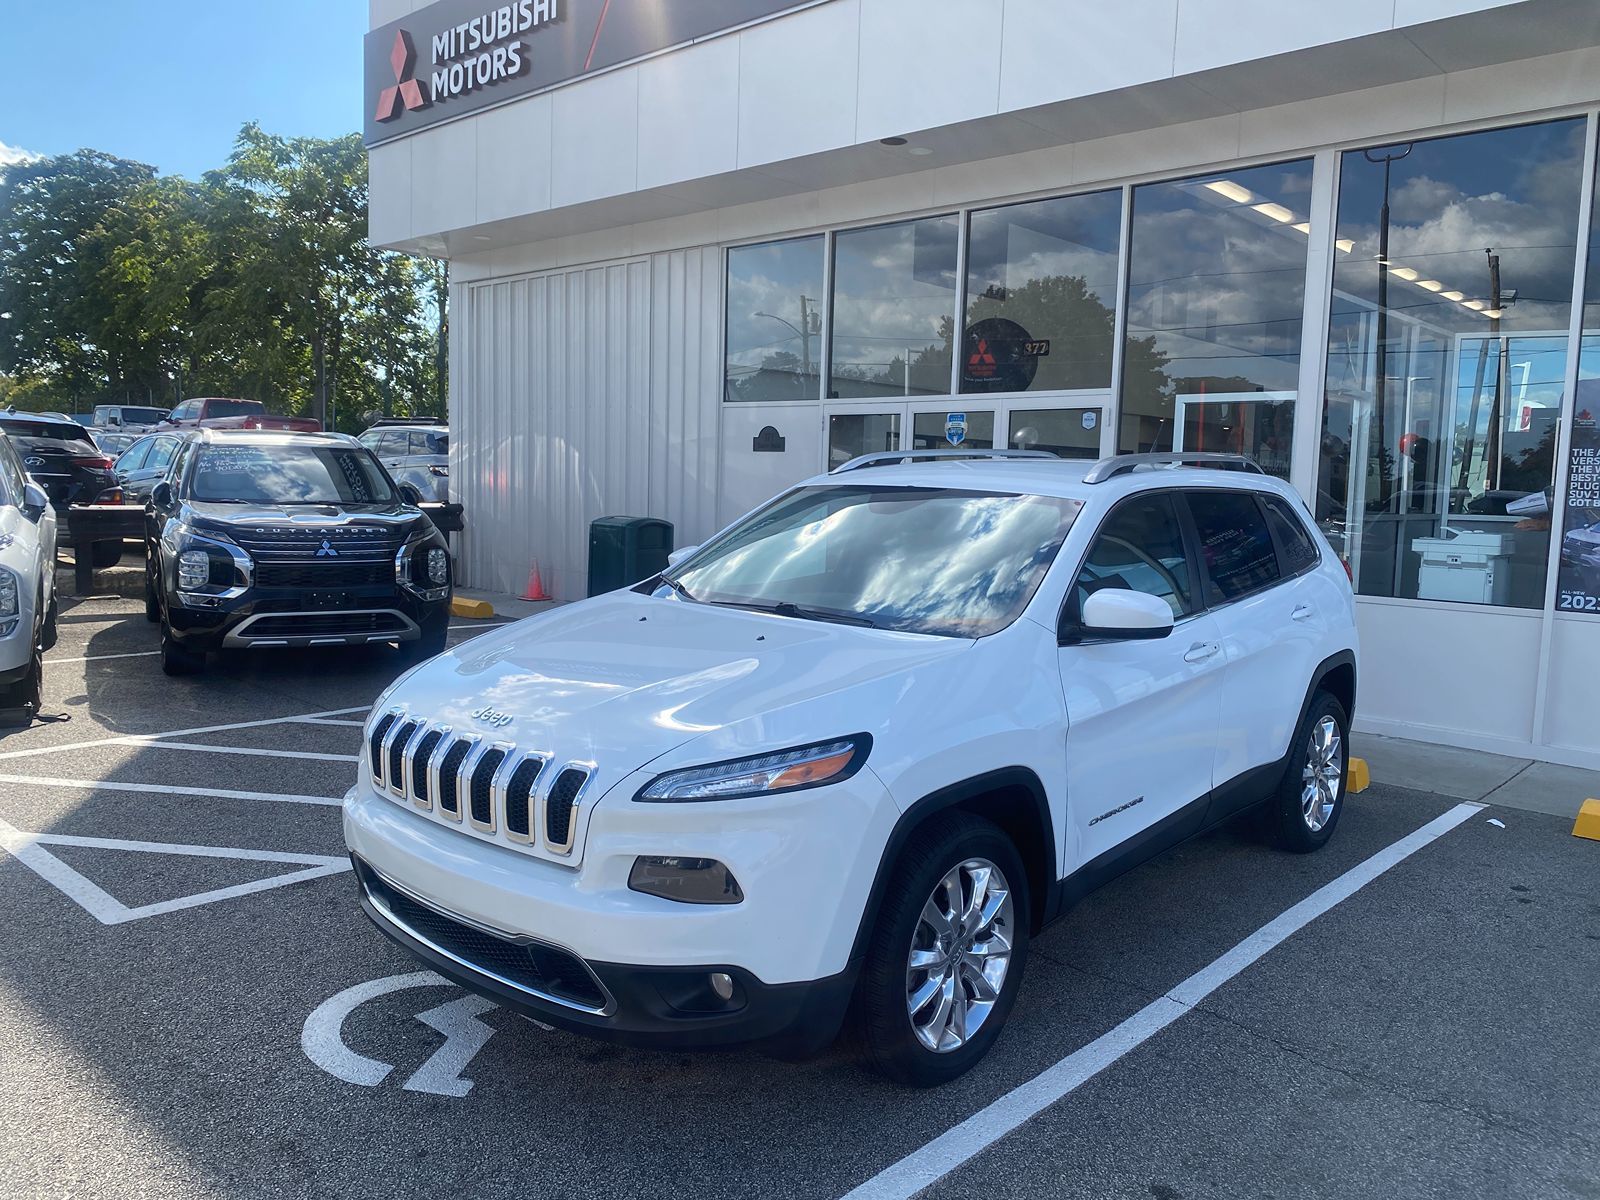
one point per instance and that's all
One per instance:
(1302, 612)
(1201, 651)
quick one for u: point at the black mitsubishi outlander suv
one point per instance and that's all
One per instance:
(261, 540)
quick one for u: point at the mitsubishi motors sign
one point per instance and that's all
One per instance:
(459, 56)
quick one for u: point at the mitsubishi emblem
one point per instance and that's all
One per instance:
(326, 550)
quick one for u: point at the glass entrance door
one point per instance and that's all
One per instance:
(952, 427)
(855, 430)
(1064, 432)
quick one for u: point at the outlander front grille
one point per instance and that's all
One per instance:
(495, 789)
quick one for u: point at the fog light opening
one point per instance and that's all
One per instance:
(686, 880)
(722, 985)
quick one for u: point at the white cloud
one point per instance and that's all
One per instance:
(11, 155)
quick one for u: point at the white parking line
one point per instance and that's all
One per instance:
(328, 721)
(103, 657)
(924, 1167)
(167, 789)
(204, 749)
(139, 739)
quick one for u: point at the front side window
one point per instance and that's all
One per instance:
(1234, 542)
(1140, 548)
(1042, 295)
(773, 323)
(919, 560)
(289, 474)
(1447, 360)
(894, 302)
(1216, 299)
(12, 477)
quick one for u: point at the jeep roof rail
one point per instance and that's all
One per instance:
(1125, 464)
(404, 422)
(890, 457)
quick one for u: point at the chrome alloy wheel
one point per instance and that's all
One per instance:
(1323, 773)
(960, 952)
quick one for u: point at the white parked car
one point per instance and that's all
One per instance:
(860, 747)
(27, 587)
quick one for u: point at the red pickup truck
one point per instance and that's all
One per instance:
(220, 412)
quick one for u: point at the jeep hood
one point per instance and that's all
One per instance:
(621, 679)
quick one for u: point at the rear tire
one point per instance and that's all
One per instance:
(1304, 813)
(942, 972)
(177, 661)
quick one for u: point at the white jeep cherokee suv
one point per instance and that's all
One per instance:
(27, 588)
(855, 750)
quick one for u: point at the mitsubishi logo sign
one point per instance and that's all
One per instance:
(406, 93)
(326, 550)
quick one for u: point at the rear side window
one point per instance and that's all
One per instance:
(1295, 546)
(1140, 548)
(133, 457)
(1235, 541)
(162, 454)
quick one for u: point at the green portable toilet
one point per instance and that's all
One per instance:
(625, 550)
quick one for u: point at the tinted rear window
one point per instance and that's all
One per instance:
(1294, 543)
(53, 431)
(233, 408)
(1234, 538)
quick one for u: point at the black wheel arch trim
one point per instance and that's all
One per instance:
(1040, 899)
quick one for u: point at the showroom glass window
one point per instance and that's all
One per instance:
(1578, 577)
(1447, 360)
(774, 321)
(1216, 295)
(1042, 295)
(894, 309)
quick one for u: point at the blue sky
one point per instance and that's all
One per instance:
(169, 82)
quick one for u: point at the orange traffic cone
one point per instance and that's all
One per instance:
(535, 589)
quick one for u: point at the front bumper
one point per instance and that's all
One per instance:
(278, 618)
(647, 1006)
(805, 862)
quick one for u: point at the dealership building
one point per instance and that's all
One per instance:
(703, 249)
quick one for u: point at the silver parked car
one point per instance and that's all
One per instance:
(414, 451)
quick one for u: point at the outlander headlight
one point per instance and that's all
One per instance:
(785, 771)
(10, 601)
(194, 569)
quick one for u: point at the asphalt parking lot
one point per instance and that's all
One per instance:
(192, 1004)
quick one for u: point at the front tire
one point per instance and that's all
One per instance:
(152, 602)
(1310, 799)
(946, 958)
(177, 661)
(20, 703)
(49, 635)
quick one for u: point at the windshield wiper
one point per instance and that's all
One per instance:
(785, 608)
(676, 586)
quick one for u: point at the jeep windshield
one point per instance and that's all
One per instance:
(289, 475)
(919, 560)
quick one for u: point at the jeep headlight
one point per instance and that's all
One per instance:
(785, 771)
(10, 600)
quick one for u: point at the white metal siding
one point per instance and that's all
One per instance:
(580, 394)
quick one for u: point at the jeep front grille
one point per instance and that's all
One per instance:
(493, 789)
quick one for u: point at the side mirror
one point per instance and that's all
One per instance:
(161, 495)
(1123, 615)
(410, 494)
(678, 555)
(34, 501)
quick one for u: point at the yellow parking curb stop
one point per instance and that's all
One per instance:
(460, 606)
(1359, 777)
(1588, 823)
